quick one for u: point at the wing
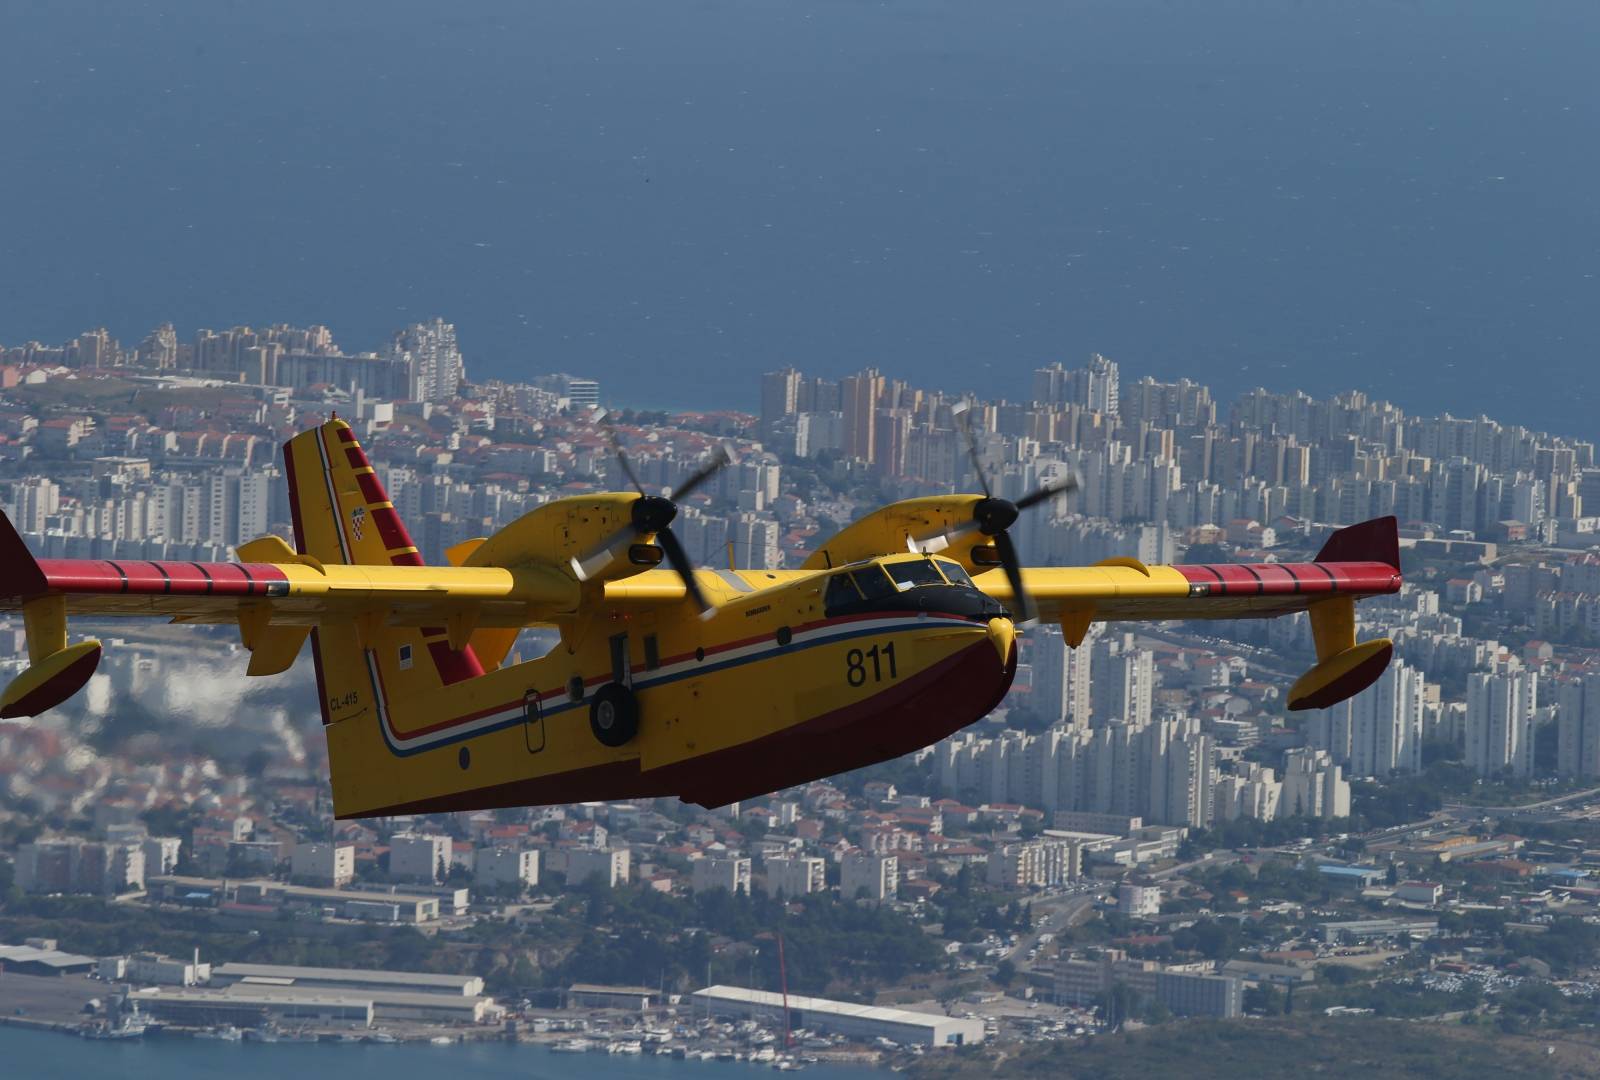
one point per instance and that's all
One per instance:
(1358, 561)
(1361, 560)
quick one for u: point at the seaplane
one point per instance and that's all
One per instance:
(709, 685)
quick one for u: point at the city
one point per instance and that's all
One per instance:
(1140, 841)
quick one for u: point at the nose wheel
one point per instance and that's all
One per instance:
(614, 715)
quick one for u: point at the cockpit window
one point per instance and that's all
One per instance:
(953, 571)
(840, 591)
(908, 575)
(873, 583)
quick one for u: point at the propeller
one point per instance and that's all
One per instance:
(652, 515)
(992, 516)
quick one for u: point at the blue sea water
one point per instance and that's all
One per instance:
(44, 1055)
(674, 196)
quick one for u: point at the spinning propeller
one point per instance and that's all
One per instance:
(651, 515)
(992, 516)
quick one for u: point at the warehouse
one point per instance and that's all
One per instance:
(859, 1022)
(34, 960)
(356, 980)
(195, 1007)
(385, 1004)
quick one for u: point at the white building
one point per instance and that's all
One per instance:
(1140, 901)
(862, 1023)
(1313, 786)
(437, 368)
(610, 865)
(1500, 716)
(160, 854)
(1386, 723)
(416, 857)
(796, 876)
(496, 867)
(329, 866)
(732, 874)
(875, 876)
(1578, 711)
(1036, 864)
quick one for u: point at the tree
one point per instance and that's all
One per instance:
(1005, 972)
(1263, 1000)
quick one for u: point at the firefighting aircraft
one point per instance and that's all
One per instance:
(711, 685)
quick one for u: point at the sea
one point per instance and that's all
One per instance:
(672, 197)
(46, 1055)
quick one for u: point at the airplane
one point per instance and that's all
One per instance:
(709, 685)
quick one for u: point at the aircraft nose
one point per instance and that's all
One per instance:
(1003, 635)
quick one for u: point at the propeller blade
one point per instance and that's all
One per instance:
(622, 459)
(702, 474)
(972, 452)
(601, 555)
(1013, 568)
(680, 562)
(1049, 491)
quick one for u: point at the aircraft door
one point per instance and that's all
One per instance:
(532, 721)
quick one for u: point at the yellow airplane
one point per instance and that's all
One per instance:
(711, 685)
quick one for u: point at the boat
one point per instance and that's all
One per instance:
(128, 1029)
(626, 1046)
(382, 1037)
(225, 1033)
(572, 1046)
(265, 1035)
(442, 1040)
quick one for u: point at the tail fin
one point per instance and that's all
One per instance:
(367, 670)
(1377, 541)
(341, 512)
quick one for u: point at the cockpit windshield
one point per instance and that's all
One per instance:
(872, 582)
(954, 572)
(908, 575)
(898, 586)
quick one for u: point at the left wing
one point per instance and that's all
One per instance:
(1357, 561)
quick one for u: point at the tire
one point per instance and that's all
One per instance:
(614, 715)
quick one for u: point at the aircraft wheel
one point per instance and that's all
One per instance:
(614, 715)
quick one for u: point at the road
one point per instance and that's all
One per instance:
(1458, 809)
(1051, 916)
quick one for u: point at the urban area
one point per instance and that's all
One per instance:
(1140, 841)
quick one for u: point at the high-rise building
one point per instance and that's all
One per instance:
(414, 857)
(796, 876)
(1124, 680)
(1061, 682)
(780, 397)
(858, 400)
(437, 367)
(877, 877)
(330, 866)
(1500, 716)
(1578, 712)
(1386, 724)
(610, 865)
(1313, 786)
(732, 874)
(498, 867)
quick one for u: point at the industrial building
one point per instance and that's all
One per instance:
(342, 980)
(41, 957)
(590, 996)
(198, 1007)
(1359, 930)
(861, 1022)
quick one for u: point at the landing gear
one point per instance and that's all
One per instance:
(614, 715)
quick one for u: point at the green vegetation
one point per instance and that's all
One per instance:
(1305, 1045)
